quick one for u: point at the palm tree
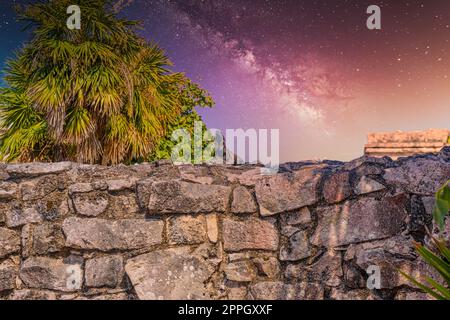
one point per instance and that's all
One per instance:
(96, 95)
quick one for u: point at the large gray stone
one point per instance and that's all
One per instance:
(90, 204)
(52, 274)
(104, 271)
(367, 185)
(243, 201)
(27, 294)
(240, 271)
(237, 293)
(8, 190)
(283, 291)
(45, 238)
(8, 274)
(185, 197)
(172, 274)
(422, 176)
(122, 184)
(37, 169)
(42, 188)
(212, 227)
(354, 277)
(337, 187)
(267, 266)
(106, 297)
(358, 295)
(288, 191)
(197, 174)
(18, 217)
(82, 187)
(409, 295)
(186, 230)
(4, 207)
(9, 242)
(360, 220)
(249, 234)
(327, 270)
(107, 235)
(391, 256)
(300, 217)
(297, 247)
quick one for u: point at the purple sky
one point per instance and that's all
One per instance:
(309, 68)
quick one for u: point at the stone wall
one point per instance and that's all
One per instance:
(156, 231)
(403, 144)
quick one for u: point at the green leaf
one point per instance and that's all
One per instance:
(438, 263)
(440, 211)
(443, 291)
(428, 290)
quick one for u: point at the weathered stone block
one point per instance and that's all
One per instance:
(53, 274)
(367, 185)
(107, 297)
(337, 188)
(282, 291)
(121, 184)
(410, 295)
(172, 274)
(184, 197)
(353, 276)
(289, 231)
(186, 230)
(422, 176)
(267, 266)
(47, 238)
(9, 242)
(243, 201)
(123, 206)
(360, 220)
(37, 169)
(18, 217)
(212, 227)
(241, 271)
(8, 190)
(297, 248)
(384, 255)
(327, 270)
(42, 188)
(90, 204)
(143, 190)
(27, 294)
(237, 293)
(249, 234)
(104, 271)
(197, 174)
(107, 235)
(82, 187)
(299, 217)
(358, 295)
(288, 191)
(8, 274)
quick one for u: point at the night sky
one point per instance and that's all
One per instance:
(310, 68)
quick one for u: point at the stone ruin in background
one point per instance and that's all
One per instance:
(404, 144)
